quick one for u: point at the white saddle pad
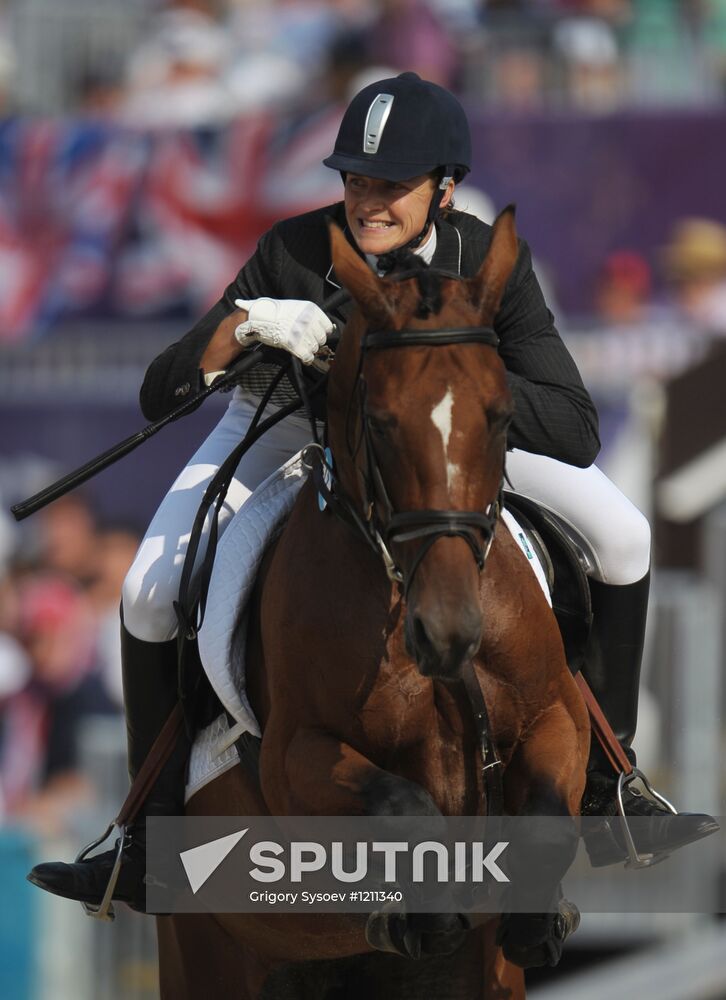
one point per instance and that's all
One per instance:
(237, 560)
(518, 534)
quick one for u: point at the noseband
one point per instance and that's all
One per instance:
(476, 528)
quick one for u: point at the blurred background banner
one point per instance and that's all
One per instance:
(144, 148)
(99, 221)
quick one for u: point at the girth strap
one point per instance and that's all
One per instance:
(492, 766)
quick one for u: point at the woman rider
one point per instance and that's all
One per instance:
(402, 147)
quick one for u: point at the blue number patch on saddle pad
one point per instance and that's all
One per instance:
(524, 545)
(520, 537)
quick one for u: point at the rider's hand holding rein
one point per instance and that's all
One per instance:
(290, 324)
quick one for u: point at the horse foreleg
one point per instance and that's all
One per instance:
(545, 778)
(318, 774)
(326, 776)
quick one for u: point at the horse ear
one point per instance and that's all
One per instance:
(355, 275)
(486, 288)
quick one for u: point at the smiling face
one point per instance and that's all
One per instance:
(383, 215)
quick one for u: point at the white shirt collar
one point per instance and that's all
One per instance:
(427, 251)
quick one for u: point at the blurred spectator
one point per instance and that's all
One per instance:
(67, 538)
(594, 76)
(41, 722)
(100, 91)
(14, 667)
(615, 11)
(633, 340)
(7, 70)
(281, 49)
(632, 335)
(7, 539)
(624, 288)
(347, 58)
(518, 77)
(714, 39)
(116, 548)
(667, 41)
(408, 34)
(176, 76)
(520, 8)
(694, 262)
(14, 675)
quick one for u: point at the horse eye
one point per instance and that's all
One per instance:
(379, 425)
(499, 419)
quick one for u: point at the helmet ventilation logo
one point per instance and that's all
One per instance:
(376, 120)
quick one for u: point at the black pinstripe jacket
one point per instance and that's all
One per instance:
(554, 414)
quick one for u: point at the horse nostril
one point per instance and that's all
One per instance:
(441, 651)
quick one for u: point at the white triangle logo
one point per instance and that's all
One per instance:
(200, 862)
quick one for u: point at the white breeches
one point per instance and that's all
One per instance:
(613, 527)
(152, 583)
(616, 531)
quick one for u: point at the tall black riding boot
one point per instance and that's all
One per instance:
(150, 694)
(613, 671)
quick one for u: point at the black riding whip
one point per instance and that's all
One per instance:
(81, 475)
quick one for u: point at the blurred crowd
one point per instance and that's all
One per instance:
(654, 319)
(60, 582)
(192, 63)
(59, 655)
(201, 61)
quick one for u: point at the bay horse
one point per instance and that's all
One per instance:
(354, 672)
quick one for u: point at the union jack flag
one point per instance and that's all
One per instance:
(99, 220)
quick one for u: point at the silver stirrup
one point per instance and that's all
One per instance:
(636, 860)
(105, 910)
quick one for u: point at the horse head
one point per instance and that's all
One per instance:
(418, 407)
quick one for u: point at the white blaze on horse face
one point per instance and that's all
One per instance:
(441, 418)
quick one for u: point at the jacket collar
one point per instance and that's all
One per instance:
(447, 256)
(331, 282)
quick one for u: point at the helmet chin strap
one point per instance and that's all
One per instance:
(387, 260)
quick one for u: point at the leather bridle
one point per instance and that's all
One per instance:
(386, 526)
(477, 528)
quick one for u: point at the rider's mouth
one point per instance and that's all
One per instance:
(374, 225)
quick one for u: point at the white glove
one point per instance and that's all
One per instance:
(291, 324)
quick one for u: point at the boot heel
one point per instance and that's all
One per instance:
(603, 848)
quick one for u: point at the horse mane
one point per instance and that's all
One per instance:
(402, 262)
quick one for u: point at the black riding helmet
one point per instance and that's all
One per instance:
(402, 127)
